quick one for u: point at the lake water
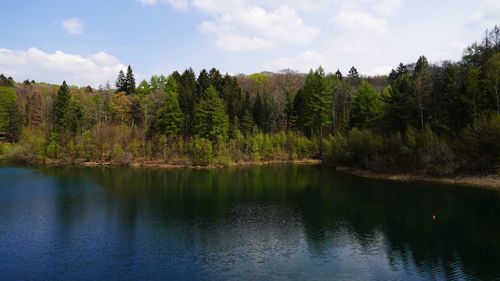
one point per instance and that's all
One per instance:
(259, 223)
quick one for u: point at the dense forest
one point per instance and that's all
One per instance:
(436, 118)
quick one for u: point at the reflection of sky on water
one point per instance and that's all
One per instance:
(260, 224)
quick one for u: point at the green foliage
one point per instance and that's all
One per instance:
(479, 145)
(11, 120)
(211, 120)
(317, 101)
(202, 152)
(170, 119)
(6, 82)
(366, 107)
(67, 114)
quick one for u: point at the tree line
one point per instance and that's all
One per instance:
(432, 117)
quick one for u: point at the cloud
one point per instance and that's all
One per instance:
(54, 67)
(148, 2)
(258, 28)
(360, 21)
(73, 25)
(176, 4)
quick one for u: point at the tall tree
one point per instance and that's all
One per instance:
(353, 77)
(366, 106)
(422, 81)
(129, 85)
(339, 75)
(170, 119)
(10, 116)
(120, 83)
(399, 104)
(187, 97)
(61, 109)
(211, 120)
(203, 82)
(317, 103)
(258, 111)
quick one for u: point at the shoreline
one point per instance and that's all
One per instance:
(487, 181)
(482, 181)
(162, 164)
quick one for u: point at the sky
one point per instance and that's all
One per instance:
(86, 42)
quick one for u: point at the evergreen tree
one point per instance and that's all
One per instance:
(120, 83)
(129, 85)
(258, 111)
(338, 74)
(353, 77)
(203, 82)
(215, 79)
(211, 120)
(247, 125)
(399, 104)
(187, 97)
(317, 101)
(366, 106)
(61, 108)
(170, 119)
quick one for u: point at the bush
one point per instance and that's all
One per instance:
(30, 148)
(479, 146)
(201, 152)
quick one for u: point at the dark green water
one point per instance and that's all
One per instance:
(262, 223)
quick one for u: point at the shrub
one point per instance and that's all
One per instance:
(201, 152)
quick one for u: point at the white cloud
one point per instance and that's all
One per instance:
(234, 42)
(259, 27)
(360, 21)
(54, 67)
(352, 47)
(176, 4)
(73, 25)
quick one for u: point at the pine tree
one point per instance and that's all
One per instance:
(129, 85)
(338, 74)
(353, 77)
(211, 120)
(170, 119)
(120, 82)
(317, 102)
(258, 111)
(366, 106)
(187, 97)
(399, 104)
(61, 110)
(202, 83)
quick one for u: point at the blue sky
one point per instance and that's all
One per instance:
(87, 42)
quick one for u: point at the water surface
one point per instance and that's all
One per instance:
(259, 223)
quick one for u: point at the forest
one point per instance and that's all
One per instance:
(438, 118)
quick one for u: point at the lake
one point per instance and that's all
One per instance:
(252, 223)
